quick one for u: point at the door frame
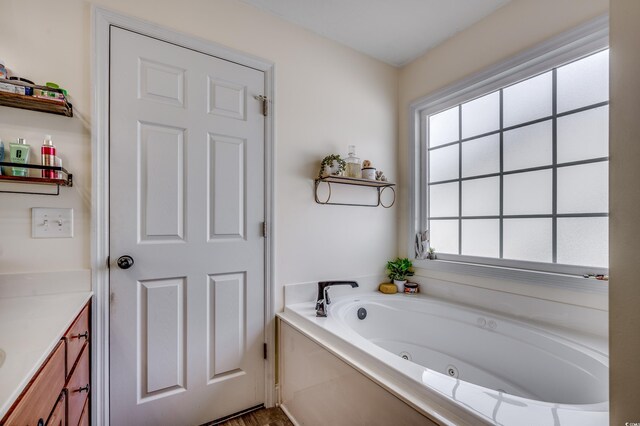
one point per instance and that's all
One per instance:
(102, 20)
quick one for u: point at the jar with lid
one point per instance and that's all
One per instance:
(353, 163)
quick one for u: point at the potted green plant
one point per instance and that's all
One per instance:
(399, 270)
(332, 165)
(431, 253)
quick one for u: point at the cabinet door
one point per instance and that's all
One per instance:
(78, 388)
(59, 415)
(40, 397)
(76, 337)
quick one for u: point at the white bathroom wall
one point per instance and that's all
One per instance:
(327, 96)
(519, 25)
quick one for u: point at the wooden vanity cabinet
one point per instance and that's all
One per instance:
(78, 369)
(84, 417)
(37, 401)
(58, 395)
(76, 338)
(59, 415)
(78, 388)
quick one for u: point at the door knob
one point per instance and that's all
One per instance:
(125, 262)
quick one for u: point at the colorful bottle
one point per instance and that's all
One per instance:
(48, 154)
(1, 154)
(20, 155)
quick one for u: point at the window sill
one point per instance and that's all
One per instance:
(537, 278)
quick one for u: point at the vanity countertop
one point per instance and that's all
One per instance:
(30, 328)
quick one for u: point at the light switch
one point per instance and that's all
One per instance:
(51, 223)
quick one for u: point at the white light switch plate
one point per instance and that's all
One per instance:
(51, 223)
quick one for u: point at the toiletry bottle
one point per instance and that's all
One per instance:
(3, 70)
(353, 163)
(58, 163)
(48, 154)
(1, 154)
(20, 155)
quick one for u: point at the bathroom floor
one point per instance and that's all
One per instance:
(263, 417)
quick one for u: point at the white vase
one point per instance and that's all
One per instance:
(400, 283)
(331, 170)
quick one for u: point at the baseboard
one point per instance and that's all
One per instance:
(288, 414)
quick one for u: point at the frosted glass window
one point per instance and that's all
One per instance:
(529, 146)
(444, 127)
(521, 173)
(528, 100)
(481, 237)
(528, 193)
(443, 163)
(528, 239)
(583, 82)
(481, 197)
(481, 156)
(444, 200)
(444, 235)
(583, 135)
(584, 188)
(583, 241)
(481, 115)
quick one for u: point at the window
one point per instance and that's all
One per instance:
(515, 172)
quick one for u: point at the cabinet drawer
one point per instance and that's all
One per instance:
(76, 337)
(59, 415)
(84, 418)
(78, 388)
(41, 395)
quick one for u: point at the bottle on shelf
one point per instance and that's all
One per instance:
(48, 154)
(353, 163)
(20, 154)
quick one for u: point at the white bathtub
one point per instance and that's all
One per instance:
(463, 365)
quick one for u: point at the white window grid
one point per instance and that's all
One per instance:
(573, 45)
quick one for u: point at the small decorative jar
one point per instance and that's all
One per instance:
(411, 288)
(369, 173)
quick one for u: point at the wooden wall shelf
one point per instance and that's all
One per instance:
(15, 100)
(67, 179)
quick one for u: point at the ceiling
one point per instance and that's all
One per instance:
(393, 31)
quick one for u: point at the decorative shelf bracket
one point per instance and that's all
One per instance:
(341, 180)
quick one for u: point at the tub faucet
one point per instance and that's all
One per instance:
(323, 295)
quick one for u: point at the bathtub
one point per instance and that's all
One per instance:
(460, 365)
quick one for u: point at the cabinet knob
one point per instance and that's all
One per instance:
(85, 335)
(85, 389)
(125, 262)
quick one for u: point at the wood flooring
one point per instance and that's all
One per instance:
(263, 417)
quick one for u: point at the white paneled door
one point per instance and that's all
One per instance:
(187, 207)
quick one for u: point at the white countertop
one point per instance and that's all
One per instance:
(30, 328)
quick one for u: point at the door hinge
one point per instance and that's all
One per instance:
(265, 104)
(264, 229)
(108, 262)
(264, 351)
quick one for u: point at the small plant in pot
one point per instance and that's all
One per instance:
(399, 270)
(332, 165)
(431, 253)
